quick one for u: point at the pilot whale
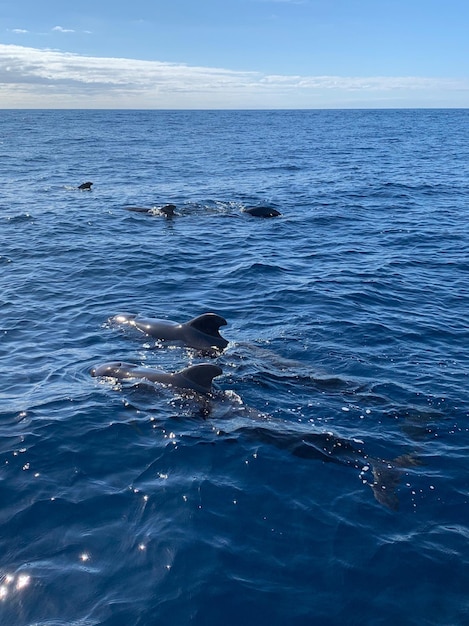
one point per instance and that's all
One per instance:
(196, 377)
(381, 475)
(168, 210)
(262, 211)
(85, 186)
(201, 333)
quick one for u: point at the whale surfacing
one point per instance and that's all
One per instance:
(201, 333)
(167, 210)
(262, 211)
(85, 186)
(196, 377)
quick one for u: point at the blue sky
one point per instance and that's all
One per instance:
(234, 53)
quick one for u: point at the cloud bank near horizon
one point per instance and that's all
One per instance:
(47, 78)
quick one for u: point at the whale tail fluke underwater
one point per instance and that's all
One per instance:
(195, 377)
(386, 479)
(384, 476)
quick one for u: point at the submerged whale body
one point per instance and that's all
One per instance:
(262, 211)
(196, 377)
(383, 477)
(201, 333)
(167, 210)
(85, 186)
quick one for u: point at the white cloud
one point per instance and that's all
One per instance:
(60, 29)
(19, 31)
(31, 77)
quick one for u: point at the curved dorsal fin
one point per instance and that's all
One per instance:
(201, 376)
(208, 323)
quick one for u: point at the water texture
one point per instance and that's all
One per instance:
(325, 480)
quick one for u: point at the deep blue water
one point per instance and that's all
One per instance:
(138, 505)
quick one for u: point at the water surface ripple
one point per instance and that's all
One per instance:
(134, 504)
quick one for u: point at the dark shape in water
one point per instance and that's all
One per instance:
(201, 333)
(262, 211)
(168, 210)
(196, 377)
(327, 447)
(85, 186)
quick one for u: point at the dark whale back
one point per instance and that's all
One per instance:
(168, 210)
(197, 377)
(201, 333)
(262, 211)
(85, 186)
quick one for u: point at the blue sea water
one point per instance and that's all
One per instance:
(138, 505)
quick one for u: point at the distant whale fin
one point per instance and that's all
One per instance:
(85, 186)
(200, 377)
(208, 323)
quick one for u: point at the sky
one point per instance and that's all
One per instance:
(234, 54)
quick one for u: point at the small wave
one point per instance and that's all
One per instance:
(18, 219)
(137, 504)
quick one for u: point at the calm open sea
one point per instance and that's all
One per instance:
(325, 481)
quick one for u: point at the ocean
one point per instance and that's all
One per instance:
(324, 479)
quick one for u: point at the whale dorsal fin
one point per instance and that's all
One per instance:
(86, 185)
(168, 210)
(200, 377)
(208, 323)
